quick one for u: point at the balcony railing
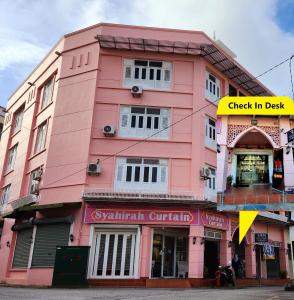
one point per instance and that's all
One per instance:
(260, 196)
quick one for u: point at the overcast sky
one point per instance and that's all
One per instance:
(260, 32)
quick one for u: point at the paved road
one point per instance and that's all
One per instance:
(266, 293)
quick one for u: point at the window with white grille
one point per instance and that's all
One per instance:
(35, 178)
(11, 158)
(141, 174)
(212, 88)
(41, 137)
(136, 121)
(5, 197)
(210, 133)
(210, 184)
(47, 93)
(18, 120)
(147, 73)
(115, 254)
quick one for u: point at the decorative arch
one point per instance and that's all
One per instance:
(262, 130)
(245, 238)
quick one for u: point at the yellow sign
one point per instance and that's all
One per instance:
(253, 105)
(246, 219)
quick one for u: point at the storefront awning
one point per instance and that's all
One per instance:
(37, 207)
(212, 53)
(134, 197)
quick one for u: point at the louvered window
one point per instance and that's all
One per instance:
(47, 238)
(210, 133)
(212, 88)
(147, 74)
(141, 174)
(22, 248)
(143, 122)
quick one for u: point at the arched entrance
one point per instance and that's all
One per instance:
(253, 155)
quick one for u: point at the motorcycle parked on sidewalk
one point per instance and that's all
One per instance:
(225, 276)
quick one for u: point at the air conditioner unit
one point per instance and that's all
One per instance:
(205, 173)
(136, 91)
(94, 168)
(35, 188)
(37, 175)
(108, 130)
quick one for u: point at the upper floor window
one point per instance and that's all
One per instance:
(210, 130)
(35, 177)
(18, 120)
(41, 137)
(5, 197)
(142, 122)
(147, 73)
(11, 158)
(210, 184)
(141, 174)
(212, 88)
(232, 91)
(47, 93)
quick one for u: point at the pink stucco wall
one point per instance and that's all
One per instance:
(87, 95)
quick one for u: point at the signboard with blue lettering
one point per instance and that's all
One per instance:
(290, 135)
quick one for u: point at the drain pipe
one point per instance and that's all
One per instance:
(291, 231)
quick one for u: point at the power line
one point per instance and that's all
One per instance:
(169, 126)
(291, 77)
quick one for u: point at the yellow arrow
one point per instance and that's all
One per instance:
(246, 218)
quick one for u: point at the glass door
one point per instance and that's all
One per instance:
(169, 256)
(163, 256)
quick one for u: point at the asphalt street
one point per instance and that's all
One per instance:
(268, 293)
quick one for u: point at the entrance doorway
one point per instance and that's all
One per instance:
(238, 262)
(252, 169)
(211, 257)
(169, 255)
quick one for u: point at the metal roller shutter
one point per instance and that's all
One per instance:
(47, 238)
(22, 248)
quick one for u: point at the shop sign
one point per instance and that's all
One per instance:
(215, 220)
(290, 135)
(261, 237)
(268, 251)
(278, 175)
(141, 216)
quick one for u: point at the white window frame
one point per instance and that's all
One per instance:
(137, 184)
(210, 184)
(5, 197)
(18, 120)
(212, 88)
(130, 69)
(31, 180)
(41, 133)
(96, 232)
(210, 133)
(147, 119)
(11, 158)
(47, 93)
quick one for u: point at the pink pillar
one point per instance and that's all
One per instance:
(284, 261)
(250, 257)
(6, 252)
(196, 252)
(225, 250)
(145, 251)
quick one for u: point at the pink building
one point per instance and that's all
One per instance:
(111, 143)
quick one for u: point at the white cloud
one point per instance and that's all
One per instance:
(249, 28)
(29, 28)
